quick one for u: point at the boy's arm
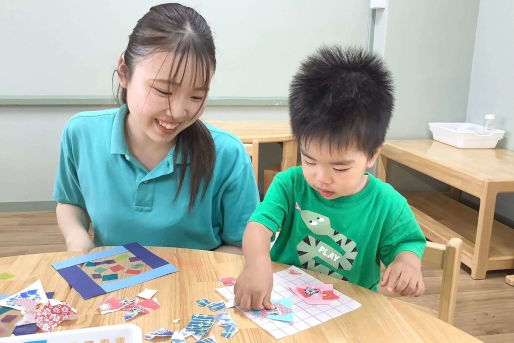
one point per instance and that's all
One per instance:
(401, 246)
(403, 276)
(253, 287)
(74, 222)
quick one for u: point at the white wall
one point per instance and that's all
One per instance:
(429, 49)
(492, 79)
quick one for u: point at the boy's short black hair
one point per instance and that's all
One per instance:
(343, 97)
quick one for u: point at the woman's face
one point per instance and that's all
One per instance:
(158, 110)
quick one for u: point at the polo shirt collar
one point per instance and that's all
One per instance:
(118, 142)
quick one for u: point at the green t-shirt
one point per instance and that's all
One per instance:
(346, 237)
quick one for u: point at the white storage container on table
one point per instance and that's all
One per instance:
(465, 135)
(123, 333)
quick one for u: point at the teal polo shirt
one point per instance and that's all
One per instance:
(127, 203)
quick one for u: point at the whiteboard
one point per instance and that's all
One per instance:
(66, 48)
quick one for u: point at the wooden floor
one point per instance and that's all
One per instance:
(485, 308)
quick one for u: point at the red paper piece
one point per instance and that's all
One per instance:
(133, 271)
(116, 268)
(49, 317)
(149, 304)
(228, 281)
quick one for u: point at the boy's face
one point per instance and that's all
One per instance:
(333, 172)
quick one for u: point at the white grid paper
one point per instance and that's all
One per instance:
(305, 315)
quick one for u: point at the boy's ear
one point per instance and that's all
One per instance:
(122, 72)
(373, 159)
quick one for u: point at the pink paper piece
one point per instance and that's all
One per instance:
(110, 305)
(228, 281)
(150, 304)
(315, 294)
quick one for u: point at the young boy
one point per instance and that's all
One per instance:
(335, 218)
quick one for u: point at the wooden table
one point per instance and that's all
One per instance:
(256, 132)
(378, 319)
(487, 243)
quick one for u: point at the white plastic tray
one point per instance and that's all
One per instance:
(465, 135)
(126, 333)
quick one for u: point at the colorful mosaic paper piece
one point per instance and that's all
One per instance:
(147, 293)
(216, 306)
(159, 333)
(110, 277)
(230, 331)
(133, 271)
(203, 302)
(121, 257)
(315, 294)
(116, 268)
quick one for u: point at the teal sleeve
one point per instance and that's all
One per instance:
(239, 201)
(401, 234)
(273, 210)
(67, 184)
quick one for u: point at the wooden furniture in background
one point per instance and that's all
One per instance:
(255, 132)
(378, 319)
(487, 243)
(446, 257)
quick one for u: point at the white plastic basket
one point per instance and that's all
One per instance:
(126, 333)
(465, 135)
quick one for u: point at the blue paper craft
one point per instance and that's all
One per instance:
(87, 288)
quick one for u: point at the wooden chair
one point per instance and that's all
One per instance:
(253, 151)
(448, 258)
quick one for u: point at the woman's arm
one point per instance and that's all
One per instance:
(74, 222)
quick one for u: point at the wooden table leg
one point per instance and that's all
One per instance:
(289, 154)
(483, 237)
(382, 168)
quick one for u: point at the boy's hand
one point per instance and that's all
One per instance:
(253, 287)
(403, 276)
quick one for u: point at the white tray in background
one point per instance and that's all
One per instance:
(465, 135)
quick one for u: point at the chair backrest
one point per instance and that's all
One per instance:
(448, 258)
(253, 151)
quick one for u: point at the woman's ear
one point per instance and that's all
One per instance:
(122, 72)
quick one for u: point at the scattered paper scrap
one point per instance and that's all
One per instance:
(175, 321)
(178, 337)
(34, 292)
(203, 302)
(224, 319)
(200, 324)
(50, 316)
(159, 333)
(210, 339)
(216, 306)
(5, 276)
(228, 281)
(110, 305)
(147, 293)
(230, 331)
